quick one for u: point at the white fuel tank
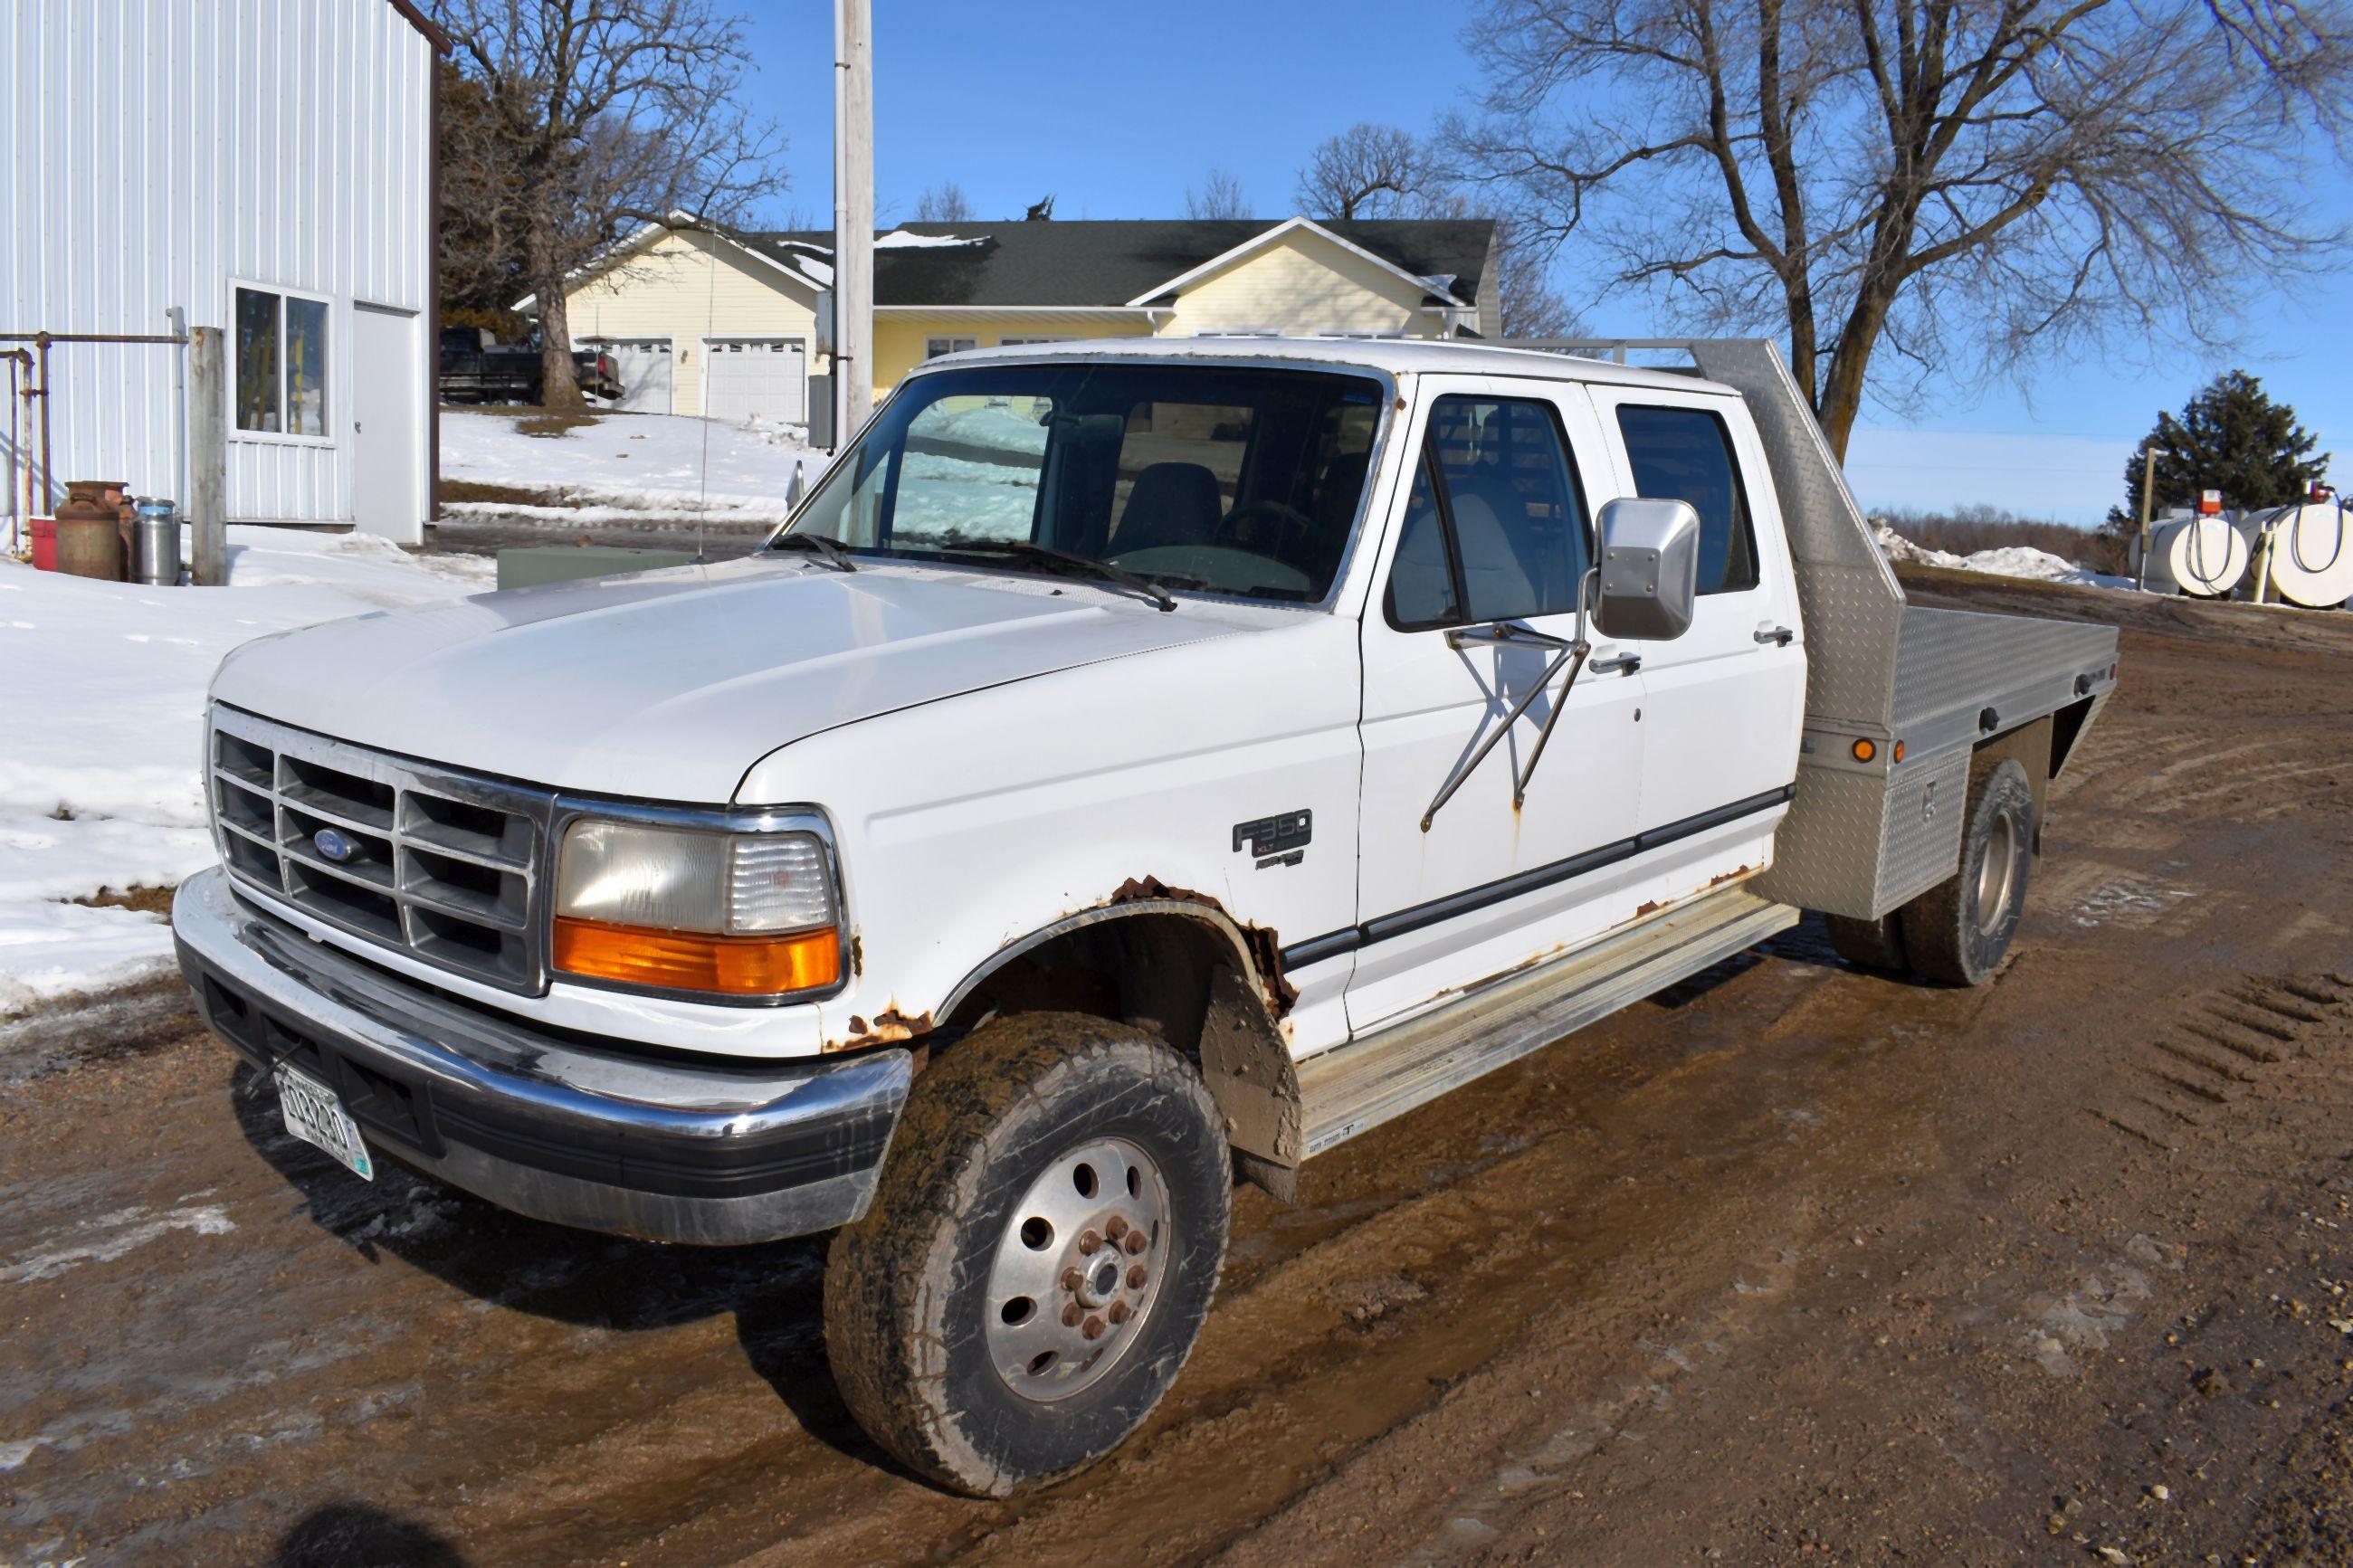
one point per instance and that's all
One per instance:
(2312, 553)
(2203, 556)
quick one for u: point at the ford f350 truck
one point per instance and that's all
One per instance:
(1135, 768)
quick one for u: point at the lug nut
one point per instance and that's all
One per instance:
(1088, 1243)
(1136, 1242)
(1092, 1329)
(1119, 1312)
(1070, 1315)
(1117, 1228)
(1136, 1276)
(1072, 1279)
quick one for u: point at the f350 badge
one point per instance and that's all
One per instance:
(1276, 840)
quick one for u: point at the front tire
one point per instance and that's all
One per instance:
(1959, 931)
(1040, 1255)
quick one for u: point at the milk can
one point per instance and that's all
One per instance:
(155, 544)
(89, 535)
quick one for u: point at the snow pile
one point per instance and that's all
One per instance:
(100, 785)
(2010, 561)
(630, 466)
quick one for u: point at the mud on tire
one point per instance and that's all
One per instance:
(1959, 931)
(972, 1331)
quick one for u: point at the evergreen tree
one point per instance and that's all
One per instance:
(2231, 437)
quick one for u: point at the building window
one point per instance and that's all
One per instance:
(282, 364)
(1014, 342)
(934, 347)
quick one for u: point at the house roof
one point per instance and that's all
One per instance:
(1114, 262)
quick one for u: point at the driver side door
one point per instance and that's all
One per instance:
(1496, 528)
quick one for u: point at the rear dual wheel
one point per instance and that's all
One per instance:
(1959, 931)
(1040, 1253)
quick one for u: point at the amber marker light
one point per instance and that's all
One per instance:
(1865, 751)
(1898, 753)
(688, 960)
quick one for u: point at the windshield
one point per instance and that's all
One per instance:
(1223, 480)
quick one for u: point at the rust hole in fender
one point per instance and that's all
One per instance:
(1265, 947)
(890, 1028)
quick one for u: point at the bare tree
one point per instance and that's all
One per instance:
(1221, 197)
(613, 113)
(1974, 185)
(1367, 171)
(1526, 304)
(944, 202)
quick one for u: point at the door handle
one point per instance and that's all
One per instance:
(1627, 662)
(1779, 637)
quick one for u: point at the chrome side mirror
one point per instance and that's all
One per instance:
(1649, 569)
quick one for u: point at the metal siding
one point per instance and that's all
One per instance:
(163, 149)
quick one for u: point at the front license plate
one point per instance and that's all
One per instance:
(314, 1115)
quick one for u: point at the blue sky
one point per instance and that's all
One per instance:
(1116, 109)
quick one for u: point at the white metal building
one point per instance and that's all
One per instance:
(265, 166)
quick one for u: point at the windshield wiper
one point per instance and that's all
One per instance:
(832, 551)
(1064, 560)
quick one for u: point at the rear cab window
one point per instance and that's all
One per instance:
(1686, 454)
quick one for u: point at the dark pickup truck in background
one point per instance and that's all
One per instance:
(475, 367)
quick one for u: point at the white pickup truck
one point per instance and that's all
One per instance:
(1135, 765)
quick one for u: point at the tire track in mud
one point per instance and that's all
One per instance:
(2224, 1040)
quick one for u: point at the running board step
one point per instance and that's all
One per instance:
(1355, 1087)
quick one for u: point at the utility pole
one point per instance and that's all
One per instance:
(853, 216)
(2147, 498)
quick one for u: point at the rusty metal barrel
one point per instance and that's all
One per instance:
(90, 533)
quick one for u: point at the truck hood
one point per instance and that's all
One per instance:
(669, 685)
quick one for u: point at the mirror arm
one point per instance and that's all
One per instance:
(1587, 587)
(1510, 634)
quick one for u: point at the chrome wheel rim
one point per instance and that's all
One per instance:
(1995, 874)
(1078, 1271)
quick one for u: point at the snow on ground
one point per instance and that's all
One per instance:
(100, 785)
(2010, 561)
(629, 467)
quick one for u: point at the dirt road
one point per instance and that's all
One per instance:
(1791, 1264)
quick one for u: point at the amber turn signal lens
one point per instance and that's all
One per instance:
(1865, 751)
(687, 961)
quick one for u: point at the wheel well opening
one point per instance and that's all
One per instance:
(1149, 971)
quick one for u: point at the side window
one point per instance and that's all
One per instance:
(1685, 454)
(1496, 529)
(1421, 578)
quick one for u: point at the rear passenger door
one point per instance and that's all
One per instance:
(1727, 698)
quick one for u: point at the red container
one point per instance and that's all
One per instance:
(45, 544)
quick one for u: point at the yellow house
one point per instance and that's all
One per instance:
(723, 321)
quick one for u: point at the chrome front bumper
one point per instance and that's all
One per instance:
(551, 1126)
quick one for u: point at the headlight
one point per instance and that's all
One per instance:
(682, 909)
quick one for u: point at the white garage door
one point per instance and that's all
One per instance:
(644, 365)
(745, 378)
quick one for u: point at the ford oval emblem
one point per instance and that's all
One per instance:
(333, 845)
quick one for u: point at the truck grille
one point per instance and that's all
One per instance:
(437, 863)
